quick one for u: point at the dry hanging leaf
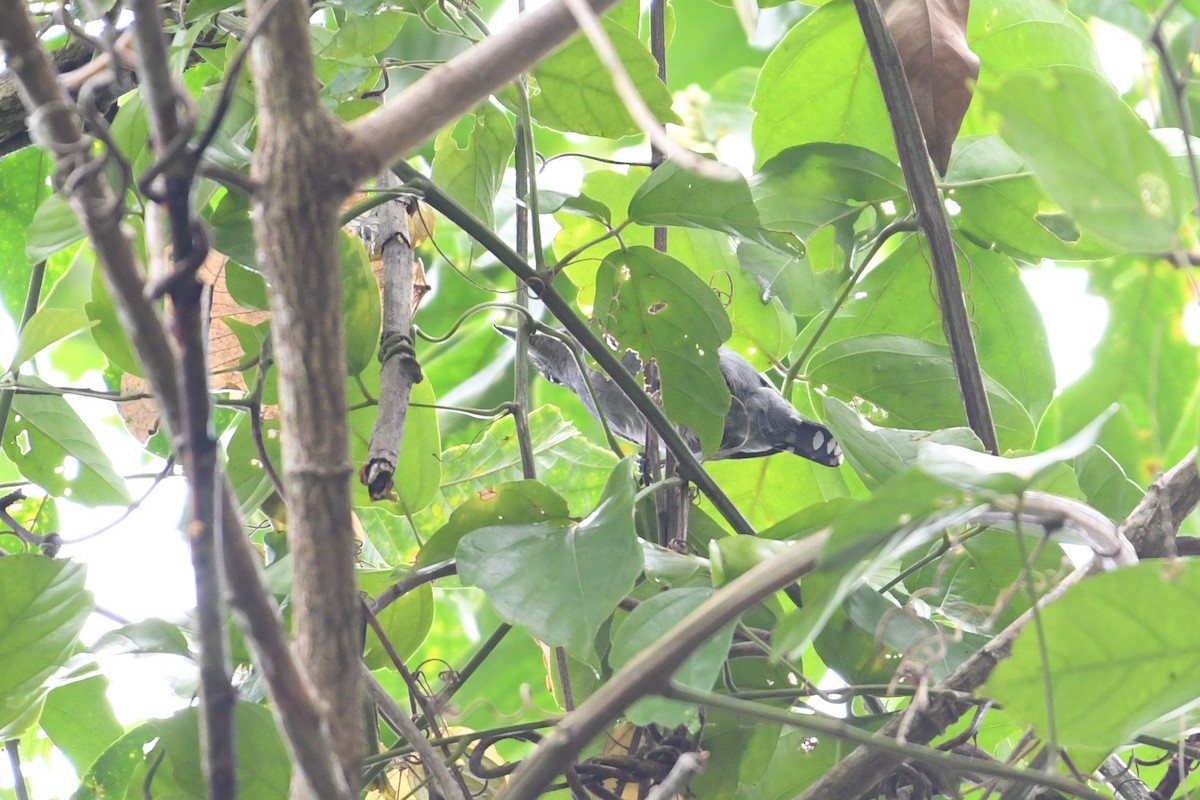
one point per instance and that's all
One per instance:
(931, 36)
(225, 352)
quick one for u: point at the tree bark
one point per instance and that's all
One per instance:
(295, 217)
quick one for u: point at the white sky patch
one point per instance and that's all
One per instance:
(1074, 319)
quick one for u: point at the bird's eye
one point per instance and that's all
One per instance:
(555, 381)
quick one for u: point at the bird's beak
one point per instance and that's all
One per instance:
(511, 333)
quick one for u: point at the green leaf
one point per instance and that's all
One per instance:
(989, 475)
(1123, 655)
(1145, 363)
(360, 303)
(763, 330)
(577, 469)
(1105, 485)
(140, 638)
(263, 769)
(879, 454)
(615, 191)
(361, 37)
(506, 503)
(80, 721)
(769, 490)
(645, 627)
(45, 327)
(982, 576)
(913, 381)
(107, 330)
(419, 466)
(111, 775)
(1010, 337)
(43, 606)
(405, 622)
(1111, 175)
(863, 536)
(202, 8)
(552, 202)
(54, 227)
(902, 631)
(1003, 206)
(544, 575)
(472, 174)
(232, 230)
(577, 92)
(674, 196)
(655, 305)
(22, 174)
(818, 85)
(43, 432)
(804, 188)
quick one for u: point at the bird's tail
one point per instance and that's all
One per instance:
(814, 442)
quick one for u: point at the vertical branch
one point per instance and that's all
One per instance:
(918, 176)
(33, 295)
(399, 369)
(299, 169)
(55, 127)
(173, 190)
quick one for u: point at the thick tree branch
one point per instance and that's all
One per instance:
(56, 127)
(301, 185)
(652, 669)
(387, 135)
(918, 176)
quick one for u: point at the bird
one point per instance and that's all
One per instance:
(760, 422)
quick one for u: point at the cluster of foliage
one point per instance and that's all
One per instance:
(806, 268)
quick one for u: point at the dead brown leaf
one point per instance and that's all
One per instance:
(931, 36)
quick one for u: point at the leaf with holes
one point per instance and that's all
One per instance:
(655, 305)
(43, 432)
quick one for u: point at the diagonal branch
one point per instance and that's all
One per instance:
(387, 135)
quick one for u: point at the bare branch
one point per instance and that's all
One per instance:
(387, 135)
(55, 126)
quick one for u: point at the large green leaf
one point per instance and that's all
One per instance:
(45, 327)
(1123, 655)
(405, 622)
(1002, 205)
(1010, 339)
(472, 174)
(43, 432)
(360, 303)
(763, 330)
(53, 228)
(1145, 363)
(614, 190)
(879, 454)
(419, 466)
(512, 502)
(645, 627)
(263, 769)
(769, 490)
(576, 91)
(674, 196)
(544, 575)
(818, 85)
(913, 381)
(807, 187)
(43, 606)
(80, 721)
(107, 330)
(1111, 175)
(655, 305)
(576, 468)
(21, 175)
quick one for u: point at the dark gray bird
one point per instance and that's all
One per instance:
(760, 421)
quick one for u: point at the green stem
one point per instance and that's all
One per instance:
(33, 296)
